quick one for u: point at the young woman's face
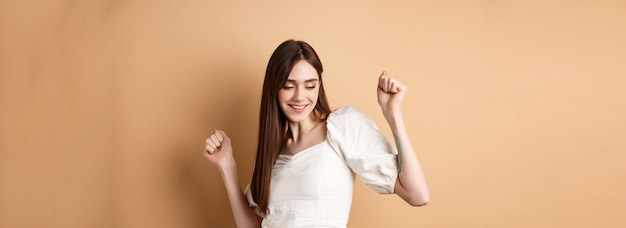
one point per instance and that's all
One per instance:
(298, 97)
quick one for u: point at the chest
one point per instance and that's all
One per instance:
(317, 172)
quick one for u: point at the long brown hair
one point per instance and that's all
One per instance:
(273, 127)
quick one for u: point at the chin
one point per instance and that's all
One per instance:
(299, 117)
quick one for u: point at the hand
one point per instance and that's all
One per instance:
(218, 149)
(390, 93)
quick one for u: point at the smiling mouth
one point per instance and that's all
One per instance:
(298, 107)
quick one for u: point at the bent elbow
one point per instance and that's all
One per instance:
(416, 196)
(419, 201)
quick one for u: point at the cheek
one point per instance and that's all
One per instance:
(283, 96)
(315, 94)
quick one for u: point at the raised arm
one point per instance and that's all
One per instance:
(411, 183)
(219, 151)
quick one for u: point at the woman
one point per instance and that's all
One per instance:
(307, 155)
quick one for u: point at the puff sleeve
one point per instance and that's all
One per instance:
(368, 153)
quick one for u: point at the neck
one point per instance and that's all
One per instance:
(299, 129)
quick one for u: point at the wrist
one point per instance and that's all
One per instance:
(395, 120)
(392, 114)
(227, 168)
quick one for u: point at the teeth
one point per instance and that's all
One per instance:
(298, 106)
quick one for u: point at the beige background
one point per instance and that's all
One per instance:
(517, 108)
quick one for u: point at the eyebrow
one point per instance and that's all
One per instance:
(307, 81)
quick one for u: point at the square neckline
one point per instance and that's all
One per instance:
(326, 138)
(291, 157)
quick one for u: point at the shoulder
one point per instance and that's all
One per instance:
(348, 116)
(346, 112)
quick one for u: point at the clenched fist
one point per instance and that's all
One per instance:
(218, 149)
(390, 93)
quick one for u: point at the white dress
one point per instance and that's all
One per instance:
(313, 188)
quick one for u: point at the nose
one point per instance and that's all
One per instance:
(299, 94)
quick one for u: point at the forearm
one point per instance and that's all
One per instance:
(244, 215)
(411, 184)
